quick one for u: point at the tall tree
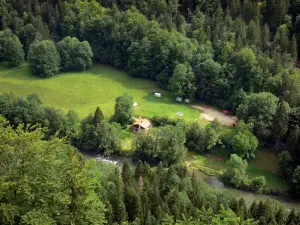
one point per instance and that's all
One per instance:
(281, 121)
(13, 51)
(98, 116)
(44, 58)
(123, 109)
(182, 81)
(50, 184)
(75, 55)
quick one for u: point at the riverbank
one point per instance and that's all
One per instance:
(212, 181)
(265, 164)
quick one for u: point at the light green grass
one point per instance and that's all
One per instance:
(99, 86)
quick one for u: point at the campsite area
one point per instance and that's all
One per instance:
(100, 85)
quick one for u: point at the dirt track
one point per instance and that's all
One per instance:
(210, 114)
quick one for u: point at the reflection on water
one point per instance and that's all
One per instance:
(214, 182)
(249, 197)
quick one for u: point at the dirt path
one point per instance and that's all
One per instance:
(210, 114)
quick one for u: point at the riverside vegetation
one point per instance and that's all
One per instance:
(239, 55)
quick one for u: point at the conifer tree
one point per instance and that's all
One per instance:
(279, 217)
(98, 116)
(291, 217)
(126, 173)
(138, 170)
(293, 47)
(281, 120)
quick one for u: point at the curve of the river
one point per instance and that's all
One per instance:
(214, 182)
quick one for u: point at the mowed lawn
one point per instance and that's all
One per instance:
(99, 86)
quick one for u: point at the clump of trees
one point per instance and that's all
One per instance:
(236, 175)
(11, 49)
(47, 59)
(165, 144)
(93, 133)
(98, 135)
(203, 139)
(41, 181)
(74, 55)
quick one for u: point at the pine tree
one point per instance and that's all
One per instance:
(293, 47)
(126, 173)
(291, 218)
(242, 209)
(138, 170)
(281, 120)
(98, 117)
(253, 210)
(265, 37)
(280, 218)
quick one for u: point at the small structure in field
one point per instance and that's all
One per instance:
(180, 114)
(187, 100)
(178, 99)
(135, 104)
(157, 95)
(141, 124)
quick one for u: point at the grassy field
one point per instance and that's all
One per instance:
(99, 86)
(265, 163)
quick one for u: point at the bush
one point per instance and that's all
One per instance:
(258, 184)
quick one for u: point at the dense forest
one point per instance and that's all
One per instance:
(48, 182)
(236, 55)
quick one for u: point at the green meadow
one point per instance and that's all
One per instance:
(99, 86)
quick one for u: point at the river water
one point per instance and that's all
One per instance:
(214, 182)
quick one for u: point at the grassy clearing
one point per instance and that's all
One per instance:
(265, 163)
(99, 86)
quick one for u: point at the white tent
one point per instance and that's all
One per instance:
(135, 104)
(178, 99)
(157, 95)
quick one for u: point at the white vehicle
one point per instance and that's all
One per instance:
(178, 99)
(157, 95)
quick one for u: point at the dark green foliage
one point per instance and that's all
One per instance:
(280, 124)
(75, 55)
(126, 173)
(100, 137)
(54, 175)
(182, 82)
(259, 108)
(286, 163)
(195, 138)
(44, 58)
(243, 142)
(123, 109)
(98, 117)
(13, 51)
(164, 144)
(295, 181)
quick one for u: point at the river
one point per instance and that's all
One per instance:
(214, 182)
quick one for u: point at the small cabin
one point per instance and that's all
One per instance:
(157, 95)
(141, 124)
(178, 99)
